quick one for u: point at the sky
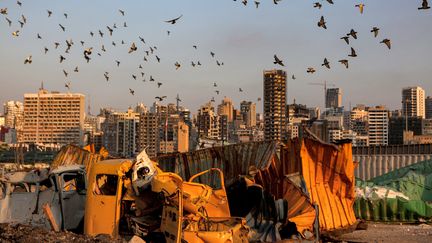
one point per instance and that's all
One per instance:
(244, 38)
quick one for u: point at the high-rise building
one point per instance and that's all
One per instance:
(358, 120)
(333, 98)
(399, 125)
(428, 105)
(2, 121)
(275, 108)
(248, 111)
(13, 112)
(413, 102)
(378, 123)
(53, 118)
(149, 133)
(208, 122)
(226, 108)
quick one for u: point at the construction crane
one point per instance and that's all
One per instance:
(324, 85)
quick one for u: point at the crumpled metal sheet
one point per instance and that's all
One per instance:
(73, 155)
(233, 160)
(328, 171)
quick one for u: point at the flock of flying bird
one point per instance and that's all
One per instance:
(151, 50)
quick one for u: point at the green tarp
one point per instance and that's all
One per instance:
(401, 195)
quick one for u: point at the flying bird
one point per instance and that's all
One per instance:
(134, 77)
(118, 63)
(62, 27)
(49, 13)
(62, 58)
(65, 15)
(214, 84)
(88, 51)
(106, 76)
(212, 54)
(159, 84)
(293, 77)
(76, 69)
(317, 5)
(142, 39)
(19, 3)
(195, 47)
(276, 1)
(9, 21)
(244, 2)
(132, 48)
(361, 7)
(330, 1)
(425, 5)
(193, 64)
(124, 25)
(91, 33)
(310, 70)
(65, 73)
(160, 98)
(375, 31)
(15, 33)
(387, 43)
(157, 58)
(122, 12)
(151, 79)
(56, 44)
(131, 91)
(24, 19)
(346, 39)
(353, 53)
(277, 60)
(4, 11)
(177, 65)
(217, 92)
(28, 60)
(101, 33)
(240, 90)
(344, 62)
(353, 33)
(173, 21)
(110, 30)
(322, 23)
(67, 85)
(326, 63)
(46, 50)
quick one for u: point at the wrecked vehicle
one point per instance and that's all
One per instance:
(138, 198)
(48, 199)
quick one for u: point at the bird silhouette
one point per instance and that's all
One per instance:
(67, 85)
(46, 50)
(212, 100)
(21, 23)
(49, 13)
(134, 77)
(9, 21)
(310, 70)
(256, 4)
(131, 91)
(353, 53)
(19, 3)
(151, 79)
(177, 65)
(317, 5)
(62, 27)
(353, 33)
(173, 21)
(375, 31)
(65, 15)
(122, 12)
(277, 60)
(56, 44)
(65, 73)
(212, 54)
(91, 33)
(361, 7)
(322, 23)
(106, 76)
(217, 91)
(387, 43)
(168, 32)
(157, 58)
(240, 90)
(195, 47)
(159, 84)
(142, 74)
(118, 63)
(132, 48)
(344, 62)
(125, 25)
(113, 43)
(110, 30)
(62, 58)
(24, 19)
(4, 11)
(346, 39)
(28, 60)
(15, 33)
(326, 63)
(293, 77)
(76, 69)
(214, 84)
(160, 98)
(425, 5)
(142, 39)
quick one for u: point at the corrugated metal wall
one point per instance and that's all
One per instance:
(371, 166)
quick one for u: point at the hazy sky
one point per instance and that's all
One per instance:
(242, 37)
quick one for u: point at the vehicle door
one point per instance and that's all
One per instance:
(72, 198)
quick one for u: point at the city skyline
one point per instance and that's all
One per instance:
(245, 40)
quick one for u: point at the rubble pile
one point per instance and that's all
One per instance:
(25, 233)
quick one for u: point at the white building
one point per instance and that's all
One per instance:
(378, 121)
(413, 102)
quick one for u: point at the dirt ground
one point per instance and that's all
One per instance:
(28, 234)
(396, 233)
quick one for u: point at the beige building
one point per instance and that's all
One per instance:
(275, 114)
(13, 116)
(248, 111)
(149, 133)
(226, 108)
(413, 102)
(333, 98)
(378, 123)
(53, 118)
